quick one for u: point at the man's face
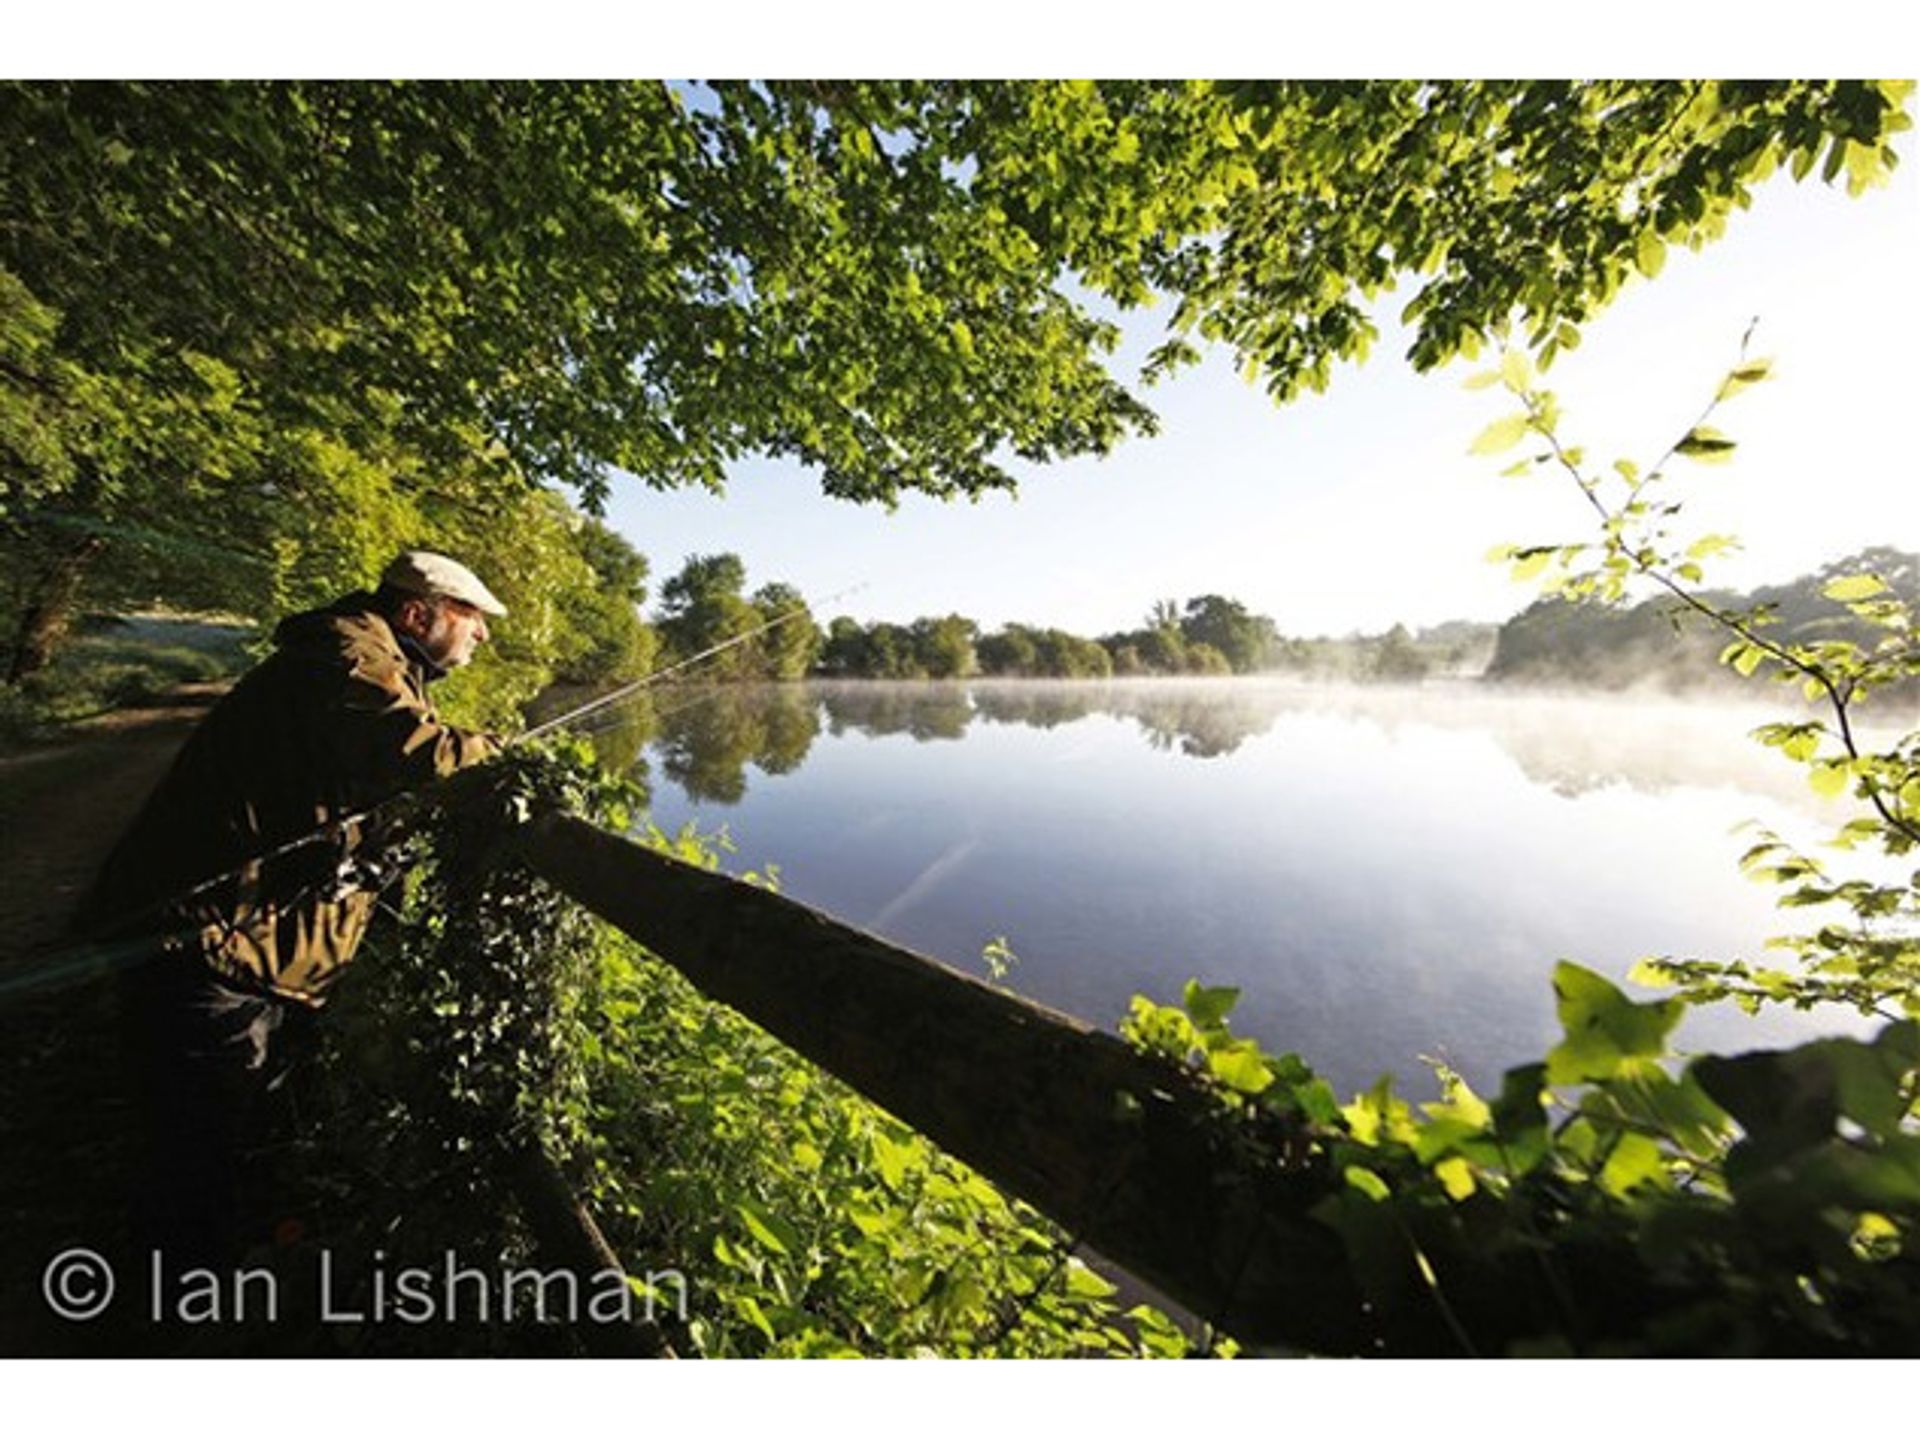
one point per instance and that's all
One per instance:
(448, 631)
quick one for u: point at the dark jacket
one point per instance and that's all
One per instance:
(335, 721)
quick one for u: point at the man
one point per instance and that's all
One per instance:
(235, 869)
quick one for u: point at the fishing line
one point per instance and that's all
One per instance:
(627, 691)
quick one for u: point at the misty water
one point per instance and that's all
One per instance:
(1383, 873)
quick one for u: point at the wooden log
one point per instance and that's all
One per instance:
(1119, 1148)
(570, 1241)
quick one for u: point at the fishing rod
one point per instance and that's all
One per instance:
(89, 955)
(627, 691)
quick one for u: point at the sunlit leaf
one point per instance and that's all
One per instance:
(1501, 435)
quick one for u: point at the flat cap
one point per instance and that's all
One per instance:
(421, 571)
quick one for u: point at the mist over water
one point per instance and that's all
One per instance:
(1385, 873)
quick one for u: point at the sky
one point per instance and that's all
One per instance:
(1362, 507)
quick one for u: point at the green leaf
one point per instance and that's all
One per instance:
(1604, 1029)
(1649, 253)
(1829, 778)
(1207, 1007)
(891, 1159)
(750, 1310)
(1367, 1182)
(1500, 436)
(1709, 545)
(1747, 374)
(1650, 974)
(1456, 1175)
(1241, 1068)
(1636, 1159)
(1854, 586)
(1743, 656)
(768, 1230)
(1706, 444)
(1531, 566)
(1083, 1282)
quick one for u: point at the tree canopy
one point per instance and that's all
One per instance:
(226, 308)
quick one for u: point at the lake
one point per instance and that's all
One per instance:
(1384, 873)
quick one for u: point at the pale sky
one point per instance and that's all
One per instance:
(1362, 507)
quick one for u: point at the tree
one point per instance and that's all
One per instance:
(944, 646)
(1396, 659)
(789, 648)
(605, 615)
(1226, 625)
(701, 607)
(462, 290)
(1009, 651)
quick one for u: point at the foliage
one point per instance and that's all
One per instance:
(1397, 660)
(1858, 646)
(803, 1220)
(791, 644)
(862, 274)
(929, 648)
(1655, 640)
(703, 612)
(605, 614)
(251, 334)
(1604, 1202)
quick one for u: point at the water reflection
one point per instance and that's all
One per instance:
(705, 737)
(1384, 873)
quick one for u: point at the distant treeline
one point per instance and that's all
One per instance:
(1658, 642)
(1207, 635)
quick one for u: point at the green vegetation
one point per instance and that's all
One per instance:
(796, 1218)
(1663, 641)
(254, 337)
(1856, 644)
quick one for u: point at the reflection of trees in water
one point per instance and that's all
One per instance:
(706, 736)
(1202, 724)
(1038, 706)
(1574, 742)
(1200, 720)
(620, 735)
(925, 711)
(1570, 743)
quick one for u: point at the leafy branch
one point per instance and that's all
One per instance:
(1874, 967)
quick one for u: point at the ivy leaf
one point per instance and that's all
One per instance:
(1083, 1282)
(1636, 1159)
(891, 1160)
(1604, 1029)
(1456, 1175)
(1241, 1068)
(1367, 1182)
(1208, 1007)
